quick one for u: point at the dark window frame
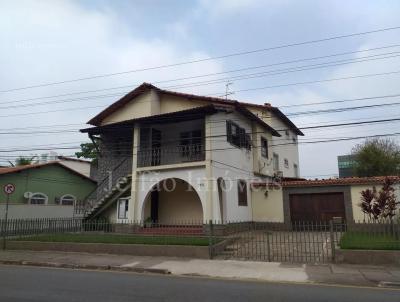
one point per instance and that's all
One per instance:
(242, 193)
(264, 147)
(237, 135)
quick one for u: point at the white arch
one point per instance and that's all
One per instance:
(164, 186)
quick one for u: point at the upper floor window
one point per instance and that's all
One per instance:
(242, 192)
(38, 198)
(275, 162)
(286, 162)
(237, 135)
(264, 147)
(296, 170)
(67, 200)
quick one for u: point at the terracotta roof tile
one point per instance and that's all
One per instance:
(340, 181)
(333, 181)
(9, 170)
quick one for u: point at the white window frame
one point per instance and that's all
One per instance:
(124, 199)
(46, 198)
(275, 161)
(67, 195)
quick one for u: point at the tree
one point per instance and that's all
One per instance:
(88, 150)
(24, 161)
(377, 157)
(379, 205)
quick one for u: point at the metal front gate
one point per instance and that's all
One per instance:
(301, 242)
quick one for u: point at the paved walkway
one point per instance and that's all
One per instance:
(247, 270)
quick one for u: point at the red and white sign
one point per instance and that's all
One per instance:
(9, 188)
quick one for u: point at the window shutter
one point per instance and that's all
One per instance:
(229, 131)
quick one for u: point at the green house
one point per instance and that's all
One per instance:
(49, 190)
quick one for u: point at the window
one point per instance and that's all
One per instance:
(237, 136)
(38, 198)
(242, 192)
(190, 142)
(123, 208)
(67, 200)
(275, 162)
(264, 147)
(296, 170)
(286, 162)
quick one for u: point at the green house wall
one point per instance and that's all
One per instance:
(52, 180)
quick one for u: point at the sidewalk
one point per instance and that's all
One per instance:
(231, 269)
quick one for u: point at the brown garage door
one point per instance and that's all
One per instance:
(316, 207)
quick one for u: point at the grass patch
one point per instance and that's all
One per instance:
(119, 239)
(363, 241)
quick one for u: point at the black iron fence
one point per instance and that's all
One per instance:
(301, 242)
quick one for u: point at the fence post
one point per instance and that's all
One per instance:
(332, 238)
(210, 238)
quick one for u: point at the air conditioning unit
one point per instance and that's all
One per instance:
(27, 195)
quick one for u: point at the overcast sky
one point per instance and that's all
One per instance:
(52, 41)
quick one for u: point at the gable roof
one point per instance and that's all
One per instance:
(10, 170)
(190, 113)
(66, 158)
(95, 121)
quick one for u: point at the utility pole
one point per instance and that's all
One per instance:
(227, 90)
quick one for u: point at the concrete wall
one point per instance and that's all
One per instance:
(143, 105)
(27, 211)
(181, 204)
(267, 207)
(359, 216)
(231, 163)
(283, 146)
(79, 166)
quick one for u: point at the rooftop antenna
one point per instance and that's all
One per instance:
(227, 90)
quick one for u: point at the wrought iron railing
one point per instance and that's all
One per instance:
(170, 155)
(122, 169)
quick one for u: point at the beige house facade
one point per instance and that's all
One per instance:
(339, 197)
(167, 156)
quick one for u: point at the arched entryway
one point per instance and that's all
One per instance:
(172, 201)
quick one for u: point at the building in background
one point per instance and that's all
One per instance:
(346, 164)
(48, 190)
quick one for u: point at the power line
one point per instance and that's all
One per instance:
(209, 74)
(315, 81)
(205, 59)
(249, 89)
(216, 81)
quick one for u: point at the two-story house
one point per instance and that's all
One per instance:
(167, 156)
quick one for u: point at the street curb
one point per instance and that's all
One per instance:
(87, 267)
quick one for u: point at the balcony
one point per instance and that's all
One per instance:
(171, 155)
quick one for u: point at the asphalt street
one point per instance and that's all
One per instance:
(22, 284)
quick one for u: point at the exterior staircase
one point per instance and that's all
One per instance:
(117, 184)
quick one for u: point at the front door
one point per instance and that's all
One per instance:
(154, 206)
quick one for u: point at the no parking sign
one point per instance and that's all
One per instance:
(9, 189)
